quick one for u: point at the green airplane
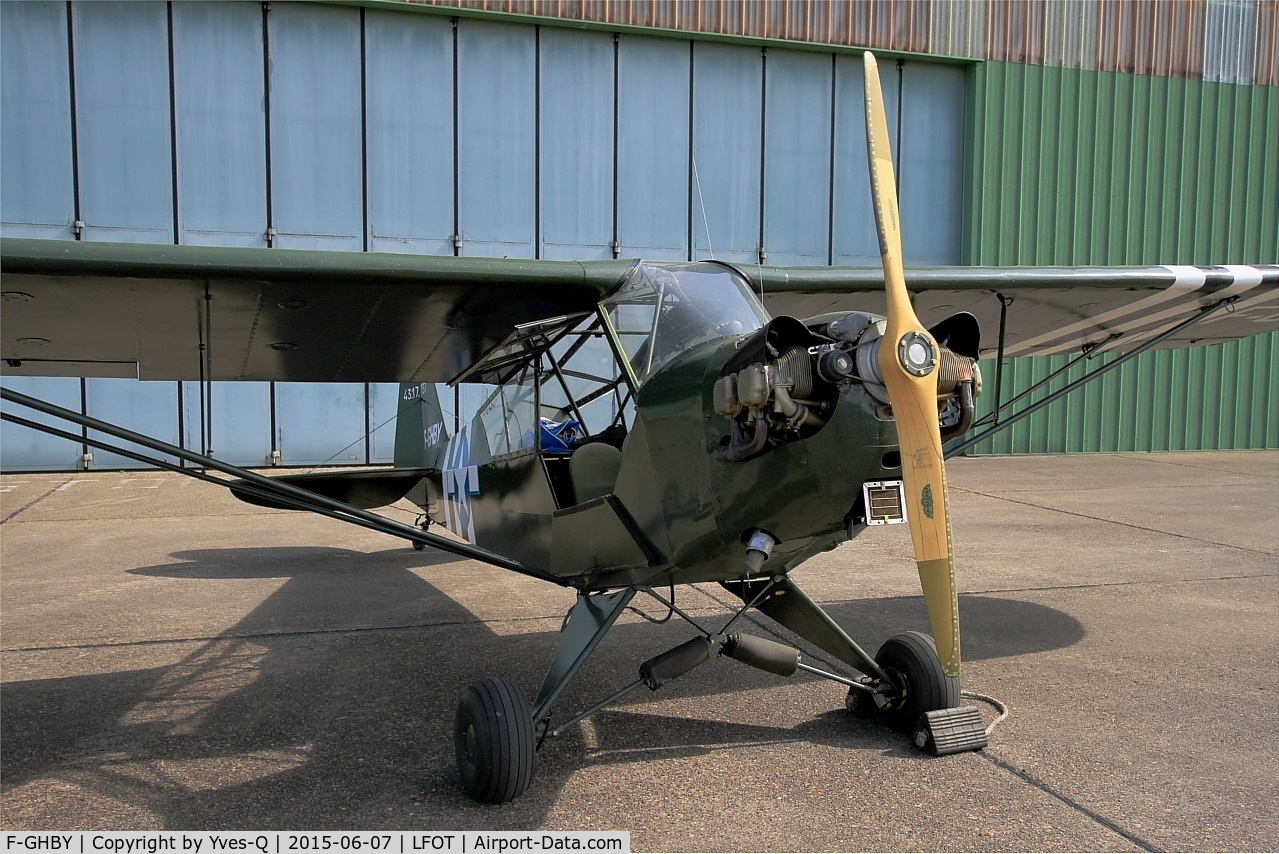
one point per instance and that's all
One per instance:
(642, 425)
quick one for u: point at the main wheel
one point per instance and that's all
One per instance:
(911, 662)
(493, 733)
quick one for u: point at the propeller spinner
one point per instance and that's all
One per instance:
(908, 358)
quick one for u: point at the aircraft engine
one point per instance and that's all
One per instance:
(776, 390)
(784, 385)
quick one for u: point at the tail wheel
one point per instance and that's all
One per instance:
(493, 734)
(911, 662)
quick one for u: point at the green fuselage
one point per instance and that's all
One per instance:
(676, 513)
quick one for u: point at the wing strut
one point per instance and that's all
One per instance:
(271, 488)
(999, 426)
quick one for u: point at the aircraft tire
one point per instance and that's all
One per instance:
(493, 734)
(911, 660)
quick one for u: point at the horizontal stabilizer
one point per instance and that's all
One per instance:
(362, 489)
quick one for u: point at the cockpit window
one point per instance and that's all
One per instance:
(662, 310)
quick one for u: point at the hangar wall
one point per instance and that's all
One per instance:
(371, 129)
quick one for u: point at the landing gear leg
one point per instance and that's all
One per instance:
(587, 623)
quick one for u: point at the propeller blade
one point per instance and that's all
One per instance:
(908, 358)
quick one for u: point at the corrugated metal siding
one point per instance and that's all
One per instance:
(1072, 33)
(959, 29)
(1221, 397)
(1086, 167)
(1095, 167)
(1210, 39)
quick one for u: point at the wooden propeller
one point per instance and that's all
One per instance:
(908, 360)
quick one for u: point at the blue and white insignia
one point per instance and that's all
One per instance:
(461, 481)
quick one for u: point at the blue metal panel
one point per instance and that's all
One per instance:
(150, 408)
(241, 432)
(854, 223)
(497, 138)
(35, 136)
(797, 152)
(320, 423)
(409, 86)
(384, 404)
(727, 151)
(125, 147)
(24, 449)
(576, 146)
(221, 122)
(652, 147)
(931, 180)
(317, 179)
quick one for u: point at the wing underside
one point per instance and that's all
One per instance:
(161, 312)
(1052, 309)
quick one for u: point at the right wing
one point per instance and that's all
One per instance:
(159, 312)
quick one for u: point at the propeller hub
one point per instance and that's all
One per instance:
(917, 353)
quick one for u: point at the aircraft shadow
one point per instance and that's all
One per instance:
(330, 705)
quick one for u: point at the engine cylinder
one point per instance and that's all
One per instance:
(796, 366)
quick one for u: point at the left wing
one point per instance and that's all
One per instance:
(1050, 309)
(182, 312)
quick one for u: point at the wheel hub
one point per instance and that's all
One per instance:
(896, 698)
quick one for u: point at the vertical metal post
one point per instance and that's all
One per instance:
(1004, 302)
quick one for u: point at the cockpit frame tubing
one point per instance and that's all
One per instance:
(568, 395)
(619, 352)
(652, 333)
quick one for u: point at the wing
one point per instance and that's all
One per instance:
(1051, 309)
(171, 312)
(182, 312)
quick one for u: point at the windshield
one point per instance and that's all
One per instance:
(662, 310)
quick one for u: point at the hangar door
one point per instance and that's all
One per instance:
(351, 129)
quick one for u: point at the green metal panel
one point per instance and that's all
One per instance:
(1083, 167)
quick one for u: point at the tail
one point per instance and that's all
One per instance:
(422, 430)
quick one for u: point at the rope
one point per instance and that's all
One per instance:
(986, 698)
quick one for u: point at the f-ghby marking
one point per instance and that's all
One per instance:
(461, 481)
(431, 435)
